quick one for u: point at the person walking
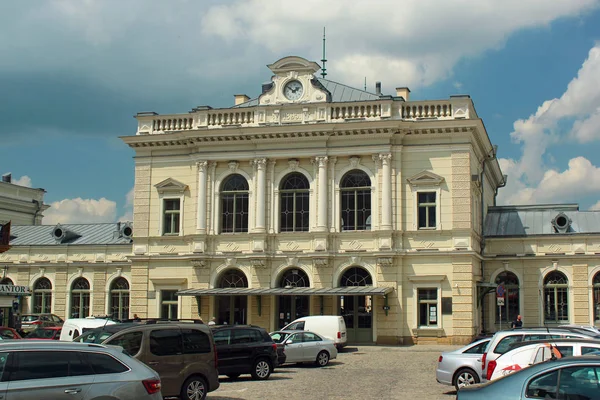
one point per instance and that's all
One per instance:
(518, 323)
(212, 321)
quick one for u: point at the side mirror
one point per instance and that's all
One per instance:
(289, 341)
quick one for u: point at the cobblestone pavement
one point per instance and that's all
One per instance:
(363, 372)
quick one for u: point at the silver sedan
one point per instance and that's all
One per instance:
(462, 367)
(302, 346)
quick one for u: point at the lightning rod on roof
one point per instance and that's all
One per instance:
(323, 60)
(365, 83)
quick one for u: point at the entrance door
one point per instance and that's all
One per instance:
(357, 313)
(232, 309)
(291, 308)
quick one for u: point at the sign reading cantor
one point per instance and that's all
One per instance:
(14, 290)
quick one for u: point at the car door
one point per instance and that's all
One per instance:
(164, 354)
(48, 375)
(4, 372)
(243, 348)
(222, 338)
(311, 346)
(294, 348)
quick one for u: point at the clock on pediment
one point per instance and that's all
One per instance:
(294, 82)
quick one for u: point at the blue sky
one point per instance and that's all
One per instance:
(73, 73)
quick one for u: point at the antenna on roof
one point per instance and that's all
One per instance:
(323, 60)
(365, 83)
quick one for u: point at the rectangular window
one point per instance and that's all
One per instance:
(428, 307)
(168, 304)
(171, 216)
(427, 210)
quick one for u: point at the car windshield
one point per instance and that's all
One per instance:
(279, 337)
(94, 336)
(41, 334)
(29, 318)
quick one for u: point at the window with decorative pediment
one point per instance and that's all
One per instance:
(234, 204)
(80, 298)
(426, 190)
(294, 195)
(42, 296)
(171, 195)
(355, 193)
(556, 298)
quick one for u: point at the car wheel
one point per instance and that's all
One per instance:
(261, 369)
(465, 377)
(233, 376)
(322, 359)
(194, 388)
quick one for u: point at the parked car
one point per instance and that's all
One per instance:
(51, 369)
(47, 333)
(501, 341)
(99, 335)
(524, 354)
(331, 327)
(462, 367)
(569, 378)
(30, 322)
(582, 328)
(183, 354)
(74, 327)
(245, 349)
(9, 333)
(303, 346)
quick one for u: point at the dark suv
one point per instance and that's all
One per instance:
(182, 353)
(245, 349)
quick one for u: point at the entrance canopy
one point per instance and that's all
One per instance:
(297, 291)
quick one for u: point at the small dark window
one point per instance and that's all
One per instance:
(504, 344)
(543, 386)
(105, 364)
(241, 336)
(166, 342)
(222, 337)
(131, 342)
(195, 341)
(310, 337)
(48, 365)
(479, 349)
(298, 326)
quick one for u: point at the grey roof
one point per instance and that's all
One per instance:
(340, 93)
(298, 291)
(79, 234)
(509, 221)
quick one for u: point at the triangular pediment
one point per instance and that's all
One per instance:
(170, 185)
(425, 178)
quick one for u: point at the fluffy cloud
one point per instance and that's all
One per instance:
(128, 215)
(73, 211)
(530, 179)
(23, 181)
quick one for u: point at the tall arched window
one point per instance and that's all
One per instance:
(119, 299)
(233, 278)
(556, 298)
(596, 289)
(356, 276)
(234, 204)
(357, 310)
(6, 281)
(294, 277)
(292, 307)
(42, 296)
(232, 309)
(80, 298)
(355, 192)
(511, 307)
(294, 203)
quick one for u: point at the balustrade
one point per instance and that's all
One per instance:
(356, 111)
(230, 118)
(415, 110)
(172, 124)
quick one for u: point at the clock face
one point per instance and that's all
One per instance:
(293, 90)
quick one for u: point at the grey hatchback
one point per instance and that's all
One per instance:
(48, 369)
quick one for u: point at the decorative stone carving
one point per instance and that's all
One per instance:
(321, 262)
(259, 163)
(385, 261)
(119, 271)
(199, 263)
(80, 271)
(42, 272)
(258, 263)
(320, 162)
(233, 165)
(292, 261)
(231, 262)
(354, 260)
(293, 163)
(202, 165)
(354, 161)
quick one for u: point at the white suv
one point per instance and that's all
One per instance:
(501, 341)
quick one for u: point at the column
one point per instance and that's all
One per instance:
(261, 164)
(201, 215)
(386, 189)
(322, 199)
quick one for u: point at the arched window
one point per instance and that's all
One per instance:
(294, 278)
(356, 276)
(511, 307)
(80, 298)
(119, 299)
(355, 189)
(234, 204)
(6, 281)
(596, 289)
(294, 203)
(42, 296)
(233, 278)
(556, 298)
(232, 309)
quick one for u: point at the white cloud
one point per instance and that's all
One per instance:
(128, 215)
(23, 181)
(73, 211)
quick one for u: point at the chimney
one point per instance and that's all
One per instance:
(240, 98)
(378, 88)
(7, 178)
(403, 92)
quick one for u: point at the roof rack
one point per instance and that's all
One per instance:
(149, 321)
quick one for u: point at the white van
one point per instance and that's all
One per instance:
(332, 327)
(74, 327)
